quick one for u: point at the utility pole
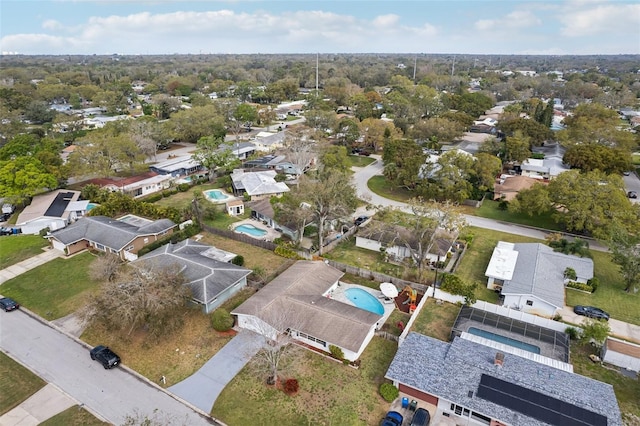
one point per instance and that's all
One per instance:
(453, 65)
(415, 63)
(317, 63)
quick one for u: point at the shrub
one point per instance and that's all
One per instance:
(183, 187)
(570, 273)
(572, 333)
(594, 283)
(221, 320)
(238, 260)
(336, 352)
(153, 198)
(503, 205)
(389, 392)
(286, 252)
(580, 286)
(290, 386)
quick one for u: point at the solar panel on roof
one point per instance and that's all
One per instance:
(535, 404)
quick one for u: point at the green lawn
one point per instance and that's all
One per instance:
(54, 289)
(74, 416)
(382, 187)
(627, 390)
(330, 393)
(183, 200)
(436, 320)
(610, 294)
(16, 248)
(360, 161)
(347, 252)
(490, 210)
(17, 383)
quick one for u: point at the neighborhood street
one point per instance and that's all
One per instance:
(363, 174)
(111, 394)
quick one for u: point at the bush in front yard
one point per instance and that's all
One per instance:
(389, 392)
(238, 260)
(336, 352)
(221, 320)
(290, 386)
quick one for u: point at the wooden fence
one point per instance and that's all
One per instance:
(376, 276)
(268, 245)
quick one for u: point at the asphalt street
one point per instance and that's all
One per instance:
(60, 360)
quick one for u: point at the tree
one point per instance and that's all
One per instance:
(335, 159)
(595, 124)
(348, 132)
(105, 267)
(626, 253)
(24, 177)
(455, 285)
(427, 222)
(453, 175)
(532, 201)
(146, 296)
(595, 331)
(38, 112)
(518, 147)
(404, 162)
(598, 157)
(147, 135)
(537, 132)
(192, 124)
(436, 128)
(300, 148)
(485, 169)
(330, 197)
(213, 154)
(376, 132)
(292, 210)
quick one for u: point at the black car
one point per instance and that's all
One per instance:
(591, 312)
(6, 231)
(632, 194)
(105, 356)
(8, 304)
(421, 418)
(360, 220)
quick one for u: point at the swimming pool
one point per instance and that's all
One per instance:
(91, 206)
(364, 300)
(215, 194)
(504, 340)
(250, 230)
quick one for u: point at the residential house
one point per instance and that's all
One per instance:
(269, 142)
(399, 243)
(299, 302)
(136, 186)
(179, 166)
(241, 150)
(257, 185)
(49, 211)
(263, 211)
(621, 354)
(471, 383)
(508, 187)
(531, 276)
(109, 235)
(212, 280)
(547, 168)
(235, 207)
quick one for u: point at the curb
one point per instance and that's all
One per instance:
(198, 411)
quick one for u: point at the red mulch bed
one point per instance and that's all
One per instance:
(402, 297)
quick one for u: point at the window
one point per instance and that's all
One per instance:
(480, 418)
(529, 302)
(312, 339)
(100, 247)
(146, 240)
(129, 248)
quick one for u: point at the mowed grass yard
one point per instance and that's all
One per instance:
(17, 383)
(360, 161)
(16, 248)
(74, 416)
(55, 289)
(330, 392)
(436, 320)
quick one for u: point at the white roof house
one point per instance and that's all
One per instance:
(50, 210)
(547, 168)
(530, 276)
(257, 185)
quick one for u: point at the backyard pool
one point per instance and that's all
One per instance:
(504, 340)
(364, 300)
(91, 206)
(215, 195)
(250, 230)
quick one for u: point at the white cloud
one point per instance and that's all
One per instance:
(386, 21)
(597, 18)
(517, 19)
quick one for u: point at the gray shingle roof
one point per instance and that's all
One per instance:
(299, 290)
(540, 271)
(109, 232)
(206, 277)
(258, 183)
(452, 370)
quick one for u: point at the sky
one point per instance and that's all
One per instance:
(132, 27)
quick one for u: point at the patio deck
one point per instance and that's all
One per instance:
(271, 235)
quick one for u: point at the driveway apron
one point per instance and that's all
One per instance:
(203, 387)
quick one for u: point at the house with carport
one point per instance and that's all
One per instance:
(299, 302)
(109, 235)
(531, 276)
(208, 271)
(465, 382)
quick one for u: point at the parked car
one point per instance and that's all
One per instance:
(6, 231)
(105, 356)
(626, 173)
(421, 418)
(360, 220)
(8, 304)
(591, 312)
(632, 194)
(393, 418)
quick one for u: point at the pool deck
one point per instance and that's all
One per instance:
(271, 235)
(338, 294)
(228, 197)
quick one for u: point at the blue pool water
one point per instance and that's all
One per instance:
(215, 194)
(504, 340)
(250, 230)
(91, 206)
(364, 300)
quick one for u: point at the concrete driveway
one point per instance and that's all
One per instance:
(202, 388)
(620, 329)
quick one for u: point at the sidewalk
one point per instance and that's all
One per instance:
(40, 406)
(35, 261)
